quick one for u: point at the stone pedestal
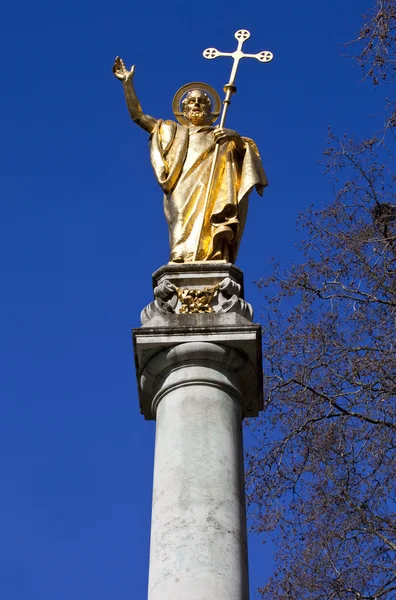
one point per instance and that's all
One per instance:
(198, 375)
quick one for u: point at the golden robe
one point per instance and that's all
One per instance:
(182, 157)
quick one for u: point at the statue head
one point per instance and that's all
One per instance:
(197, 107)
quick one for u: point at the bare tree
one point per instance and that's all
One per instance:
(321, 475)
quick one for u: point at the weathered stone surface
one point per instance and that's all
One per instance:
(230, 331)
(195, 288)
(198, 535)
(200, 273)
(199, 374)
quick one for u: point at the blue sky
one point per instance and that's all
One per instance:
(82, 229)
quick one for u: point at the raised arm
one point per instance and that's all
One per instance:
(135, 110)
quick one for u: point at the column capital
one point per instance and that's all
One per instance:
(201, 349)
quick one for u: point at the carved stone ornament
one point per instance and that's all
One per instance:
(196, 301)
(221, 298)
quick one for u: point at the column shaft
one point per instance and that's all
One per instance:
(198, 536)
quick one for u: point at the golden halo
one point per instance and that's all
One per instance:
(196, 85)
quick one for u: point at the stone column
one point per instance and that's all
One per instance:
(198, 376)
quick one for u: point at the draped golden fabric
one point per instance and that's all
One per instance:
(181, 157)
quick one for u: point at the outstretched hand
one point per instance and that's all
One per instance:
(120, 70)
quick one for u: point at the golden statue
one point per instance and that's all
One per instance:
(206, 172)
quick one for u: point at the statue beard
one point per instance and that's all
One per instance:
(197, 118)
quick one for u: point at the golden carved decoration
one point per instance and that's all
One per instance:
(196, 301)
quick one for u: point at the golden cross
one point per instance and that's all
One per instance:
(241, 35)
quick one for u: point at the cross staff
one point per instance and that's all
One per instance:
(210, 53)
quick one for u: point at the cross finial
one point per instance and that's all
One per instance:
(241, 35)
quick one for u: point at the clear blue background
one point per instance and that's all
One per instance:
(82, 229)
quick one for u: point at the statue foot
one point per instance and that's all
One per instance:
(176, 259)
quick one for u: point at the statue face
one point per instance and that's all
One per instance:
(196, 107)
